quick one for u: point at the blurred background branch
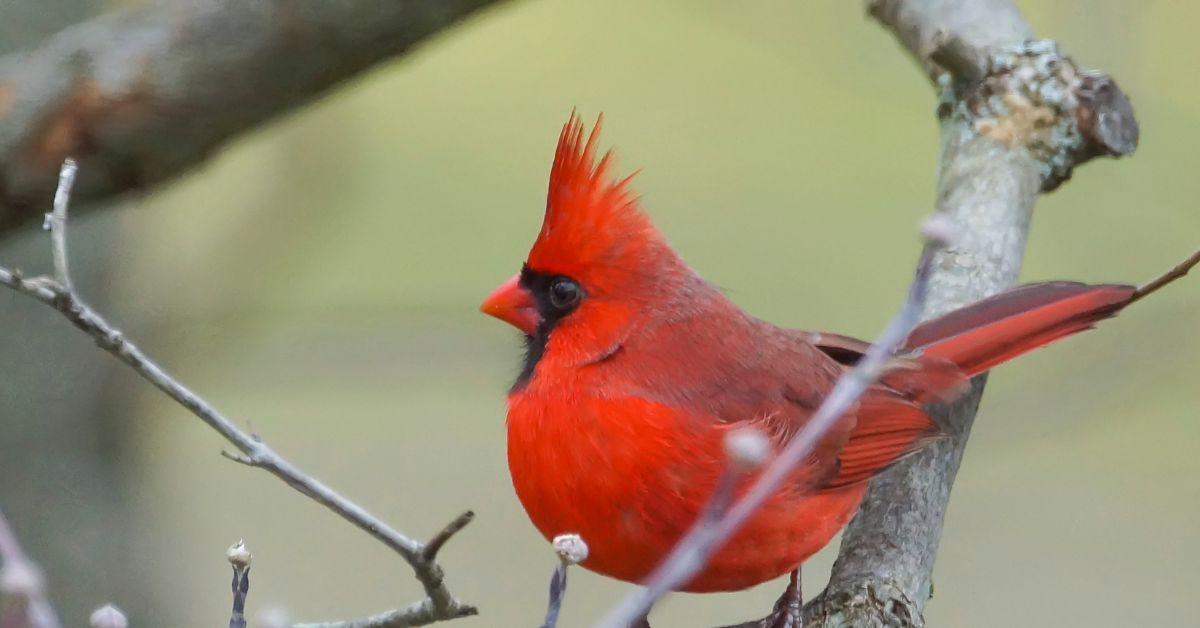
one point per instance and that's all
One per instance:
(23, 599)
(56, 292)
(143, 94)
(1016, 118)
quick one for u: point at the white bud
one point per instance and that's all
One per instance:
(20, 578)
(273, 617)
(108, 616)
(238, 555)
(746, 448)
(571, 548)
(939, 230)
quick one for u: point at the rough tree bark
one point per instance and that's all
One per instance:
(139, 96)
(1016, 117)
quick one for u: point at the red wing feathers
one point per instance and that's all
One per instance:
(888, 430)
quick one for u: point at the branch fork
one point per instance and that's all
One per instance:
(1031, 95)
(57, 292)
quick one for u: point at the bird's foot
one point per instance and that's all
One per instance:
(789, 608)
(788, 611)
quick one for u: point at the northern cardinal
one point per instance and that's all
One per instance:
(637, 368)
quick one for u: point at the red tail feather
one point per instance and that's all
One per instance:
(952, 348)
(947, 351)
(1000, 328)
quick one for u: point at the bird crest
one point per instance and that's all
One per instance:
(593, 224)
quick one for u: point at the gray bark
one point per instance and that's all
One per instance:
(1016, 117)
(141, 95)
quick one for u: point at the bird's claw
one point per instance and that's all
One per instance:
(784, 618)
(788, 611)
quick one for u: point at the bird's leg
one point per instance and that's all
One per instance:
(789, 608)
(788, 611)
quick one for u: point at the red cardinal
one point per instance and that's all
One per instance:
(637, 368)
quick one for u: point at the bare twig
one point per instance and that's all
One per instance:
(241, 588)
(56, 222)
(1178, 271)
(440, 604)
(571, 550)
(415, 614)
(21, 579)
(239, 558)
(454, 527)
(692, 552)
(558, 591)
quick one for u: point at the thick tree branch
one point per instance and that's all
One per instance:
(252, 451)
(1016, 117)
(143, 94)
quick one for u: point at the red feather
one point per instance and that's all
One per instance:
(888, 430)
(1000, 328)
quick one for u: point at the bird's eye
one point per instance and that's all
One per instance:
(565, 294)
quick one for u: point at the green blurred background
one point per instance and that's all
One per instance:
(319, 278)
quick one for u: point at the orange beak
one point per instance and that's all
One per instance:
(514, 305)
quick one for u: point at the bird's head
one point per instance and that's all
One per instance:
(597, 264)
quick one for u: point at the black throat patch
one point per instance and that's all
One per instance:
(538, 285)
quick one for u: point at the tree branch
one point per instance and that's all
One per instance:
(1016, 117)
(143, 94)
(571, 550)
(439, 605)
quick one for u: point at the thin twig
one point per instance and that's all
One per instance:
(241, 588)
(440, 605)
(239, 558)
(56, 222)
(454, 527)
(692, 552)
(1180, 270)
(415, 614)
(23, 575)
(746, 450)
(571, 550)
(558, 591)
